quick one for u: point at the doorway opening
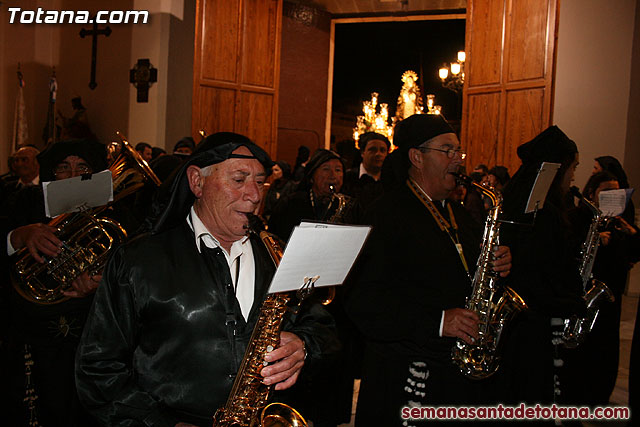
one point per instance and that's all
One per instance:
(371, 54)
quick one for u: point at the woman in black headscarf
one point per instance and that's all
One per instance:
(619, 249)
(281, 185)
(612, 165)
(326, 394)
(317, 198)
(545, 270)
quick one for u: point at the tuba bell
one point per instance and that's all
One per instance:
(87, 237)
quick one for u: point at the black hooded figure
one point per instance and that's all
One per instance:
(168, 328)
(544, 273)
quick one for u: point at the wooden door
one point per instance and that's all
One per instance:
(508, 94)
(236, 68)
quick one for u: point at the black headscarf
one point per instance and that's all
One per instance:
(612, 165)
(215, 148)
(319, 157)
(187, 142)
(92, 152)
(551, 145)
(410, 133)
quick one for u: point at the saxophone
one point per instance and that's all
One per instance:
(344, 203)
(595, 292)
(247, 404)
(493, 304)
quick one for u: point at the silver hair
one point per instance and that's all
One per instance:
(206, 171)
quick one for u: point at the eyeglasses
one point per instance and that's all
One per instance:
(451, 152)
(66, 170)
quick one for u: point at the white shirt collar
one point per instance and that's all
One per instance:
(363, 171)
(35, 181)
(201, 234)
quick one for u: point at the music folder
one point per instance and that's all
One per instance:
(543, 181)
(318, 252)
(80, 192)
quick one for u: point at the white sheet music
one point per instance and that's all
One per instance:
(541, 186)
(614, 202)
(324, 250)
(69, 195)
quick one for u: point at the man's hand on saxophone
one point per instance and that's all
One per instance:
(460, 323)
(289, 359)
(502, 260)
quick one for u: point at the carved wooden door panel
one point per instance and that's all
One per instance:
(508, 94)
(236, 68)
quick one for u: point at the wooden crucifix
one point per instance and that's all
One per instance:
(143, 75)
(95, 32)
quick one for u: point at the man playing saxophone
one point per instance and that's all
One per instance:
(176, 308)
(414, 277)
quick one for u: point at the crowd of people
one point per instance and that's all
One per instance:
(157, 337)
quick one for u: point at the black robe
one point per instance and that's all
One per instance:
(601, 348)
(160, 345)
(545, 274)
(408, 273)
(49, 334)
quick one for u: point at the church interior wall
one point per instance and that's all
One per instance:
(37, 50)
(304, 64)
(180, 75)
(592, 93)
(632, 148)
(150, 41)
(107, 105)
(167, 41)
(592, 85)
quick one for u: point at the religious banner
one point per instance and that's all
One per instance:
(20, 129)
(49, 133)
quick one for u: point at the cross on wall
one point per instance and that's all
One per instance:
(95, 32)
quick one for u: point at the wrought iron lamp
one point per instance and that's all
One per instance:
(452, 76)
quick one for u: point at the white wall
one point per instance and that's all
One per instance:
(167, 40)
(593, 74)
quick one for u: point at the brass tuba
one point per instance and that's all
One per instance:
(247, 404)
(494, 305)
(87, 238)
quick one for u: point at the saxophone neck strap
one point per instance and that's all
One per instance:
(450, 228)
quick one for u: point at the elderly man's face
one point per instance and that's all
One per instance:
(70, 167)
(24, 163)
(432, 168)
(374, 154)
(328, 174)
(232, 191)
